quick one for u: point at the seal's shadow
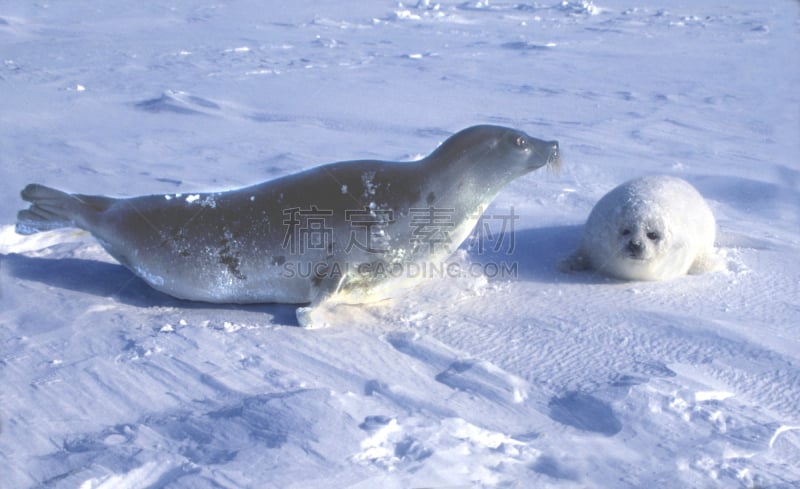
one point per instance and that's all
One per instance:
(536, 254)
(115, 281)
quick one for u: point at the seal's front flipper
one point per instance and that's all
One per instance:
(309, 317)
(576, 262)
(53, 209)
(314, 316)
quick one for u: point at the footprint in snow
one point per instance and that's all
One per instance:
(388, 445)
(178, 102)
(444, 446)
(473, 376)
(584, 412)
(484, 379)
(83, 456)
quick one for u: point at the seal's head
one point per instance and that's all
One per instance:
(642, 241)
(499, 154)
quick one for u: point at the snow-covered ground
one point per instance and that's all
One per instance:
(529, 379)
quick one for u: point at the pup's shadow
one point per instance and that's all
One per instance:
(536, 255)
(115, 281)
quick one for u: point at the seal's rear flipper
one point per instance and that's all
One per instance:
(53, 209)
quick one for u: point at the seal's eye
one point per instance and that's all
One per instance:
(653, 236)
(521, 142)
(625, 232)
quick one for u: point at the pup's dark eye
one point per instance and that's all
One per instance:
(625, 232)
(520, 141)
(654, 236)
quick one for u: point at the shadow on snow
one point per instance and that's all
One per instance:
(537, 252)
(115, 281)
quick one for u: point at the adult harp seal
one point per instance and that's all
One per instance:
(301, 238)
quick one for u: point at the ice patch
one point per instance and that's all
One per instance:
(704, 396)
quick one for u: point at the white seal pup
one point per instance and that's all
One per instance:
(332, 233)
(650, 228)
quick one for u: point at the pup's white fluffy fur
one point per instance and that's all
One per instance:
(651, 228)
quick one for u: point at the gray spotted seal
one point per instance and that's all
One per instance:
(305, 237)
(650, 228)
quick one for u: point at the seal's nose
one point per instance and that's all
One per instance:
(545, 153)
(635, 247)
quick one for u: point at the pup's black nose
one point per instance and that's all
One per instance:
(635, 247)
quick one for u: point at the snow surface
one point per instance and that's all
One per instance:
(536, 380)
